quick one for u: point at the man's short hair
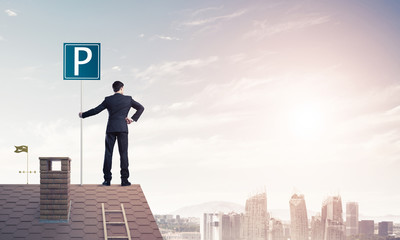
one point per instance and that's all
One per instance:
(117, 85)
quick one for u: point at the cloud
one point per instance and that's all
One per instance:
(167, 109)
(162, 70)
(237, 94)
(2, 38)
(116, 68)
(180, 105)
(168, 38)
(141, 35)
(159, 127)
(237, 57)
(203, 10)
(204, 21)
(11, 13)
(264, 29)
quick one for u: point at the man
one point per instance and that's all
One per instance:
(118, 107)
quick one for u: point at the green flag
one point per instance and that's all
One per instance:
(22, 148)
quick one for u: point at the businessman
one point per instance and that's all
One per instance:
(118, 106)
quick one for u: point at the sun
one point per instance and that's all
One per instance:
(307, 121)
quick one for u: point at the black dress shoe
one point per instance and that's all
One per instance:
(106, 183)
(125, 183)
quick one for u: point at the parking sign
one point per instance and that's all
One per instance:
(81, 61)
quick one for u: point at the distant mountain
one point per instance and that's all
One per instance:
(389, 218)
(208, 207)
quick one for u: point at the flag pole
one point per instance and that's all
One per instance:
(81, 130)
(27, 167)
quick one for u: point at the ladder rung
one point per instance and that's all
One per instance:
(115, 222)
(125, 222)
(113, 211)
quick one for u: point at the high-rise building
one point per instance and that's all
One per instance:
(351, 218)
(366, 228)
(385, 229)
(256, 218)
(236, 224)
(225, 227)
(275, 230)
(243, 228)
(286, 230)
(298, 218)
(332, 219)
(211, 226)
(220, 226)
(317, 228)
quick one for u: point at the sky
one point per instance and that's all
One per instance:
(290, 96)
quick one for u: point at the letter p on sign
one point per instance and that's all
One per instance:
(81, 61)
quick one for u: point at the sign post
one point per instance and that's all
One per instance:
(81, 62)
(81, 157)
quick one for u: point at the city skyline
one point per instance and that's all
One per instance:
(297, 200)
(228, 226)
(299, 96)
(256, 223)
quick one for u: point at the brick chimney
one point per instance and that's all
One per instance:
(54, 189)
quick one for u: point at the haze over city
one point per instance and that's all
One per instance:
(296, 96)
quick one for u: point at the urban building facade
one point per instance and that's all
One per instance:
(366, 228)
(298, 218)
(225, 227)
(256, 218)
(236, 223)
(220, 226)
(332, 219)
(276, 231)
(385, 229)
(210, 226)
(351, 219)
(317, 228)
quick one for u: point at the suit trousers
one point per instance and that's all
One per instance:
(122, 138)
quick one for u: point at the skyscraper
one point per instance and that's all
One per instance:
(236, 223)
(317, 228)
(366, 229)
(351, 218)
(220, 226)
(210, 226)
(385, 229)
(225, 227)
(275, 230)
(256, 218)
(332, 219)
(298, 218)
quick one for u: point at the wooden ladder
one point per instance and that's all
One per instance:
(125, 222)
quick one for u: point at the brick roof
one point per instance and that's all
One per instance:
(20, 211)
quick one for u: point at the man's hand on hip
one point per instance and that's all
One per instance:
(128, 120)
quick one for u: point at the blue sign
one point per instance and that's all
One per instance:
(81, 61)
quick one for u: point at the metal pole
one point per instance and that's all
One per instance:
(81, 130)
(27, 167)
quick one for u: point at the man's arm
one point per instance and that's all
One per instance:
(139, 110)
(93, 111)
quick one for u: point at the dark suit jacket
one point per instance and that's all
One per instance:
(118, 107)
